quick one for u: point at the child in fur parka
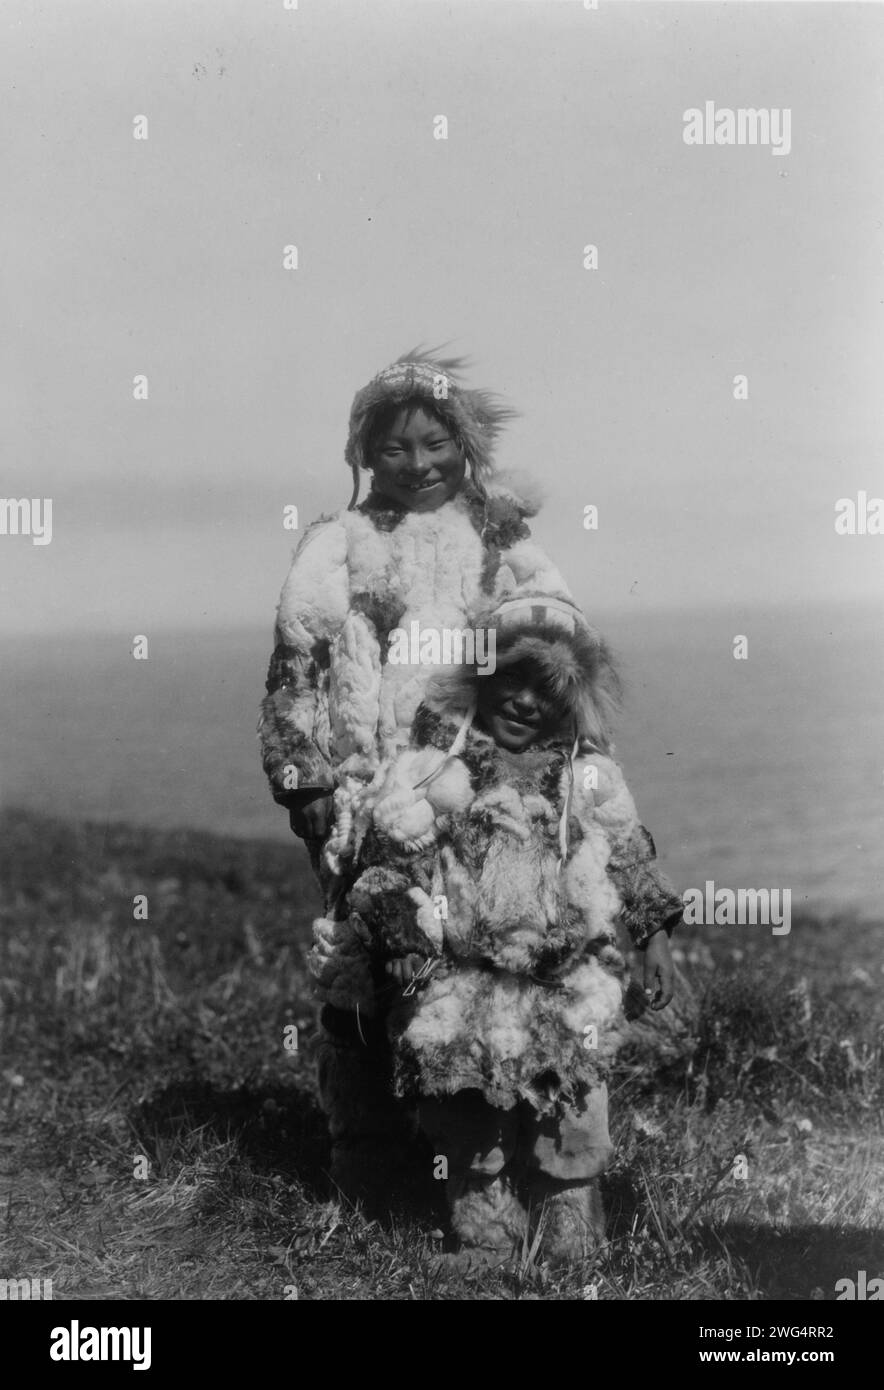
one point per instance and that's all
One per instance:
(439, 535)
(501, 854)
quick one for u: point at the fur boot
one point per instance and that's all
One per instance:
(487, 1216)
(372, 1134)
(573, 1217)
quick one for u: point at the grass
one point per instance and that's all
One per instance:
(160, 1142)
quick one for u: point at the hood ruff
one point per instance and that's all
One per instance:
(555, 638)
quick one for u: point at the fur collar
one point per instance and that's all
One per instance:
(498, 516)
(537, 769)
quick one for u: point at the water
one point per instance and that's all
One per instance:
(760, 773)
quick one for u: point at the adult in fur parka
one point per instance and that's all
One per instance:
(440, 534)
(410, 553)
(502, 850)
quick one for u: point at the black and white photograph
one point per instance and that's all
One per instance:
(442, 681)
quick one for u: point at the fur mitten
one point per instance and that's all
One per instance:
(340, 963)
(399, 913)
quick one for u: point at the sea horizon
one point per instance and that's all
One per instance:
(763, 772)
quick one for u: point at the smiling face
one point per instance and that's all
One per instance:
(415, 461)
(512, 707)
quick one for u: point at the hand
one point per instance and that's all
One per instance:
(311, 822)
(404, 970)
(659, 971)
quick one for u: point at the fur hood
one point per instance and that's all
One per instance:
(475, 417)
(569, 659)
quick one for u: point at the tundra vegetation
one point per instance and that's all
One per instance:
(161, 1141)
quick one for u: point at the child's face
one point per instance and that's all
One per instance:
(514, 711)
(417, 463)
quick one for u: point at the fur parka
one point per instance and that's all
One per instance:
(334, 707)
(525, 998)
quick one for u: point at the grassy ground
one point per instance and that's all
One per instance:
(162, 1040)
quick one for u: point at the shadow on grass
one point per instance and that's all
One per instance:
(622, 1200)
(279, 1132)
(788, 1263)
(798, 1262)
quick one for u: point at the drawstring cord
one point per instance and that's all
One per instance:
(422, 975)
(566, 809)
(355, 494)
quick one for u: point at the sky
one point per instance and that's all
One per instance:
(314, 127)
